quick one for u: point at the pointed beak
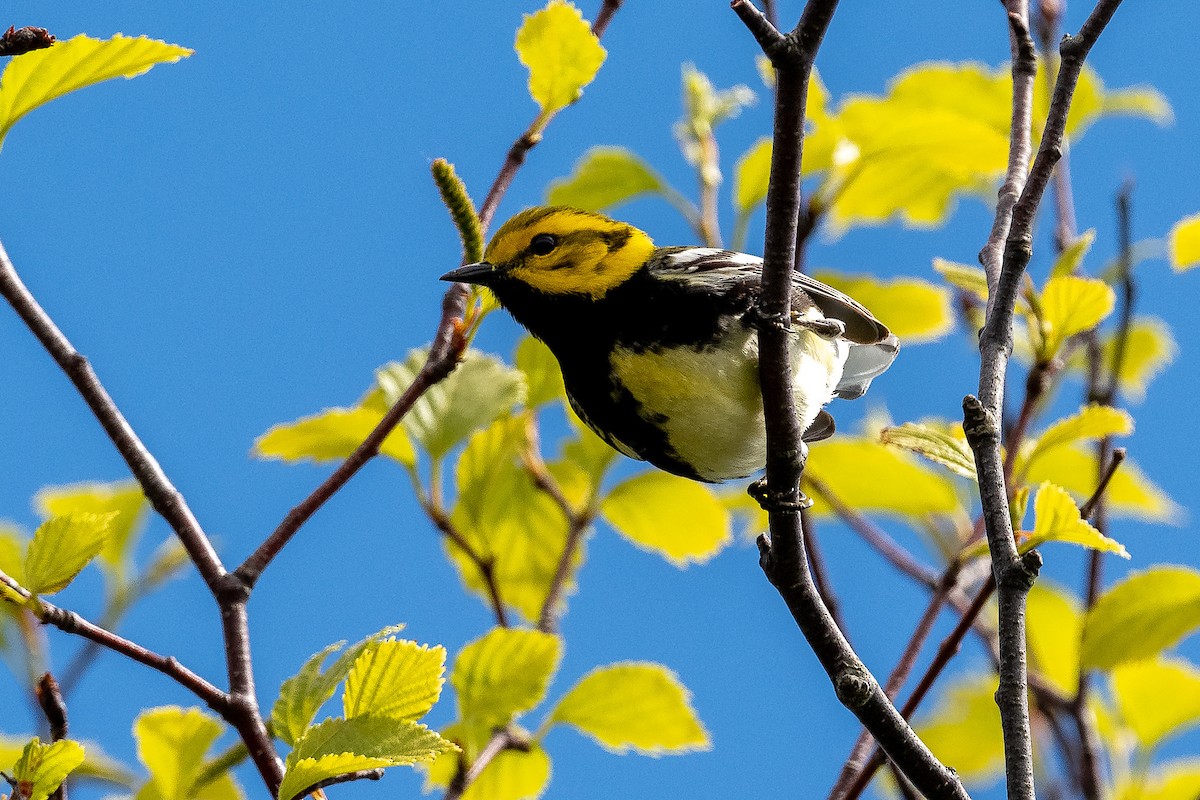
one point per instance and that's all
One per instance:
(481, 273)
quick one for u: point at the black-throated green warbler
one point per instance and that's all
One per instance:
(658, 345)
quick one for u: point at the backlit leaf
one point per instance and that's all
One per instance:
(481, 389)
(934, 444)
(915, 310)
(62, 547)
(1184, 243)
(1175, 780)
(512, 775)
(969, 278)
(603, 178)
(303, 694)
(1141, 616)
(12, 553)
(338, 746)
(542, 374)
(1149, 348)
(1129, 494)
(638, 706)
(504, 673)
(42, 768)
(1071, 258)
(1158, 698)
(751, 176)
(331, 435)
(36, 78)
(172, 743)
(869, 476)
(562, 54)
(1092, 101)
(679, 519)
(1057, 519)
(396, 679)
(1053, 629)
(1070, 305)
(125, 498)
(964, 730)
(1093, 421)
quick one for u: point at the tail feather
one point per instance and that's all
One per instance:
(863, 363)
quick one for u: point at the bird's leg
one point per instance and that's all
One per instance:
(775, 501)
(823, 327)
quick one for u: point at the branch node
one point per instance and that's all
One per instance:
(979, 423)
(854, 686)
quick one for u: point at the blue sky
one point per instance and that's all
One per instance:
(240, 239)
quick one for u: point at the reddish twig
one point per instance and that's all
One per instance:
(18, 41)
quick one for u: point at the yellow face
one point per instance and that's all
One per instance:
(560, 250)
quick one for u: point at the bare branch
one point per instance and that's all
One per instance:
(18, 41)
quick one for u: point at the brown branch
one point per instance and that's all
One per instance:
(51, 700)
(816, 563)
(783, 557)
(486, 565)
(360, 775)
(501, 740)
(18, 41)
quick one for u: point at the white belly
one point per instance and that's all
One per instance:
(709, 401)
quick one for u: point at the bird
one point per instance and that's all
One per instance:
(658, 346)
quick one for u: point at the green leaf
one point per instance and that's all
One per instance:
(964, 730)
(1071, 305)
(1141, 616)
(123, 498)
(1184, 243)
(12, 553)
(1092, 101)
(96, 765)
(1158, 698)
(603, 178)
(751, 175)
(972, 280)
(171, 744)
(397, 679)
(36, 78)
(1129, 494)
(542, 374)
(511, 775)
(338, 746)
(677, 518)
(302, 695)
(480, 390)
(932, 443)
(61, 548)
(1093, 421)
(42, 768)
(587, 450)
(1053, 630)
(869, 476)
(638, 706)
(332, 435)
(1149, 348)
(562, 54)
(915, 310)
(505, 672)
(1071, 258)
(1057, 519)
(1175, 780)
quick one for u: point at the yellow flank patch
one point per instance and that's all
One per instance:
(594, 254)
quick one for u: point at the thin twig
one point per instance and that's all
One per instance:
(486, 565)
(51, 700)
(783, 557)
(18, 41)
(501, 740)
(359, 775)
(820, 573)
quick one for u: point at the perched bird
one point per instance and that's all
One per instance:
(658, 345)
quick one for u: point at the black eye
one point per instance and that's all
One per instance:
(543, 244)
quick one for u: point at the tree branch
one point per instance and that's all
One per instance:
(18, 41)
(55, 709)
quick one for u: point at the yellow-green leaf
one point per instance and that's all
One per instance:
(562, 54)
(751, 175)
(543, 378)
(1070, 305)
(1184, 243)
(869, 476)
(481, 389)
(679, 519)
(12, 553)
(915, 310)
(1141, 616)
(124, 498)
(1092, 101)
(638, 706)
(303, 694)
(1056, 519)
(512, 775)
(603, 178)
(171, 744)
(1175, 780)
(933, 443)
(964, 730)
(62, 547)
(338, 746)
(1071, 258)
(504, 673)
(1149, 348)
(36, 78)
(397, 679)
(42, 768)
(1053, 629)
(1158, 698)
(1129, 494)
(331, 435)
(1093, 421)
(963, 276)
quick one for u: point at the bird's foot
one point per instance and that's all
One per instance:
(770, 501)
(825, 328)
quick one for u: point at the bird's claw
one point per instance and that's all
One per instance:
(772, 502)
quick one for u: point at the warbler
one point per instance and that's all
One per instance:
(659, 345)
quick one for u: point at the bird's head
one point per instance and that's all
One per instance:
(559, 251)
